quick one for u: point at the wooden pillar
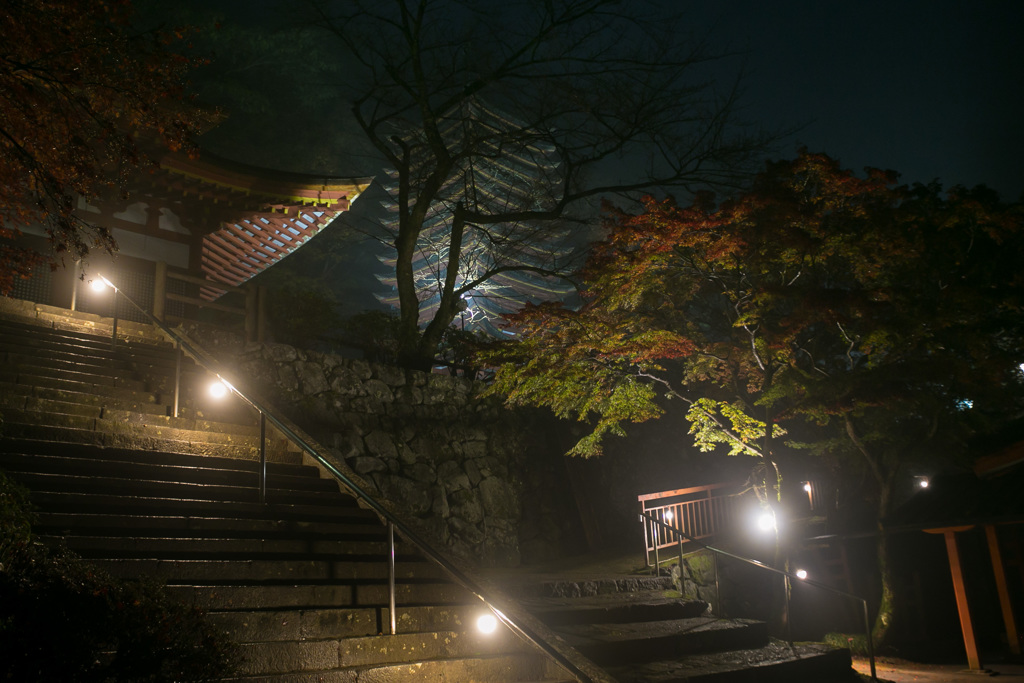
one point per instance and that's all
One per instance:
(251, 313)
(956, 568)
(159, 290)
(261, 314)
(1004, 593)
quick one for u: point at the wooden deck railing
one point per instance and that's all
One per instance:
(700, 512)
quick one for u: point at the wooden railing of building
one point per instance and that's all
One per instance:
(252, 312)
(700, 512)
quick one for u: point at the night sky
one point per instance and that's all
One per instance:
(930, 88)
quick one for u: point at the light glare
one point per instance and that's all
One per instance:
(218, 389)
(766, 522)
(487, 623)
(97, 285)
(801, 574)
(668, 515)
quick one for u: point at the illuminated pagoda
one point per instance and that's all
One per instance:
(502, 170)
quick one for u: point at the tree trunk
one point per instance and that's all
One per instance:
(882, 631)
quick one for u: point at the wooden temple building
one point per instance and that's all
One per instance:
(191, 236)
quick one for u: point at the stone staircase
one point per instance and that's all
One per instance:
(640, 631)
(300, 583)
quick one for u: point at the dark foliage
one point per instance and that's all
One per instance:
(63, 620)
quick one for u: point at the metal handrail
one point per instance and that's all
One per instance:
(392, 522)
(787, 575)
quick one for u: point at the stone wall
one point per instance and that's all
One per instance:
(484, 481)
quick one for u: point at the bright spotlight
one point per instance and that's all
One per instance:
(97, 285)
(668, 515)
(801, 574)
(807, 486)
(218, 389)
(923, 483)
(766, 522)
(487, 623)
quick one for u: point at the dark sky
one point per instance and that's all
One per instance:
(929, 88)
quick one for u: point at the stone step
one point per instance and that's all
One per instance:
(252, 626)
(132, 401)
(23, 355)
(614, 608)
(78, 323)
(241, 492)
(152, 372)
(160, 360)
(356, 653)
(75, 334)
(95, 454)
(516, 668)
(32, 410)
(199, 473)
(244, 571)
(144, 440)
(224, 548)
(776, 662)
(366, 528)
(346, 511)
(301, 624)
(589, 587)
(92, 418)
(73, 373)
(311, 595)
(616, 644)
(74, 388)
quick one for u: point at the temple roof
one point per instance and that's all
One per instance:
(251, 217)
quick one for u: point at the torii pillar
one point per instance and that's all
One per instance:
(959, 588)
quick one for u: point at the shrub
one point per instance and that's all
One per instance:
(64, 620)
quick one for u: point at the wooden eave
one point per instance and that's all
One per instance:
(256, 217)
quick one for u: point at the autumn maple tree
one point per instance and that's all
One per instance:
(84, 95)
(872, 323)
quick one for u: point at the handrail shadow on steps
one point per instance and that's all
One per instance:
(520, 623)
(682, 535)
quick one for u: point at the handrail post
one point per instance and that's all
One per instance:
(657, 561)
(177, 377)
(391, 576)
(718, 589)
(113, 333)
(263, 457)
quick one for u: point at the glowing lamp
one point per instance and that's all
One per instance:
(766, 522)
(807, 486)
(218, 389)
(487, 623)
(801, 574)
(97, 285)
(668, 515)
